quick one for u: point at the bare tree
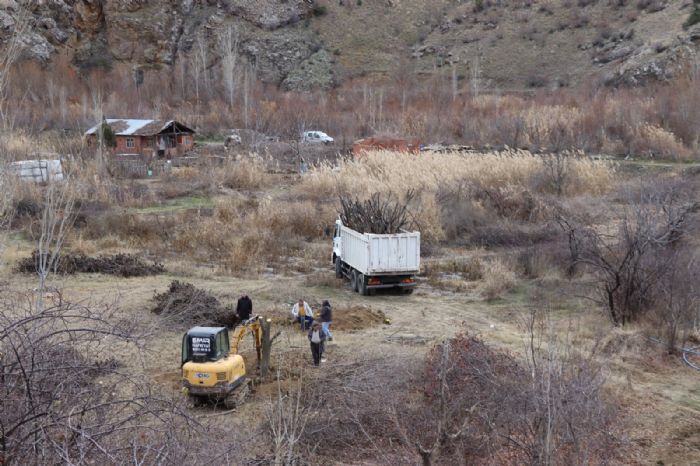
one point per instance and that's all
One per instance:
(475, 74)
(200, 66)
(57, 217)
(98, 114)
(228, 44)
(6, 208)
(630, 260)
(267, 341)
(287, 417)
(21, 23)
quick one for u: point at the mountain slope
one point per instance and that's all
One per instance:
(506, 45)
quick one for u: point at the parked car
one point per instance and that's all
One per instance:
(316, 136)
(232, 140)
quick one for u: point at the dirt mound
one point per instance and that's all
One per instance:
(357, 318)
(186, 304)
(122, 265)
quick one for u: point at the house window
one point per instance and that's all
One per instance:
(130, 143)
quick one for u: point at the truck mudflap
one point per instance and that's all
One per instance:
(221, 389)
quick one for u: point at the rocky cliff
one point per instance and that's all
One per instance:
(301, 44)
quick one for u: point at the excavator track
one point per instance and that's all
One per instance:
(237, 397)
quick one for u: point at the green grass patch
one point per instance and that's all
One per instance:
(21, 235)
(172, 205)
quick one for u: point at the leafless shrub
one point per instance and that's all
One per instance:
(512, 234)
(498, 278)
(569, 419)
(467, 403)
(630, 261)
(538, 260)
(288, 417)
(676, 298)
(556, 170)
(246, 173)
(57, 388)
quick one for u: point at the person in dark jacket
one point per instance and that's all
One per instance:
(326, 318)
(317, 338)
(244, 308)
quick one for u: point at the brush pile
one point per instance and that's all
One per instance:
(379, 214)
(185, 304)
(122, 265)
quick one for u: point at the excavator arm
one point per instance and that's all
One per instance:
(253, 327)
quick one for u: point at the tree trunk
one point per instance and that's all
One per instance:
(266, 347)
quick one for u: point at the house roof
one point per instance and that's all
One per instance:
(127, 127)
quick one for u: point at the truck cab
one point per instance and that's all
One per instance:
(337, 241)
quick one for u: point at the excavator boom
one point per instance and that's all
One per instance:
(251, 326)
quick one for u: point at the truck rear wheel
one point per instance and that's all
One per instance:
(353, 280)
(362, 285)
(338, 268)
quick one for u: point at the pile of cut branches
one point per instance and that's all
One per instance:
(122, 265)
(186, 304)
(379, 214)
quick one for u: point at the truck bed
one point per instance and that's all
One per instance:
(390, 254)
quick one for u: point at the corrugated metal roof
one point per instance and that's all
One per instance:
(128, 127)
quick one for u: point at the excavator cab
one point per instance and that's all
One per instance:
(211, 367)
(202, 344)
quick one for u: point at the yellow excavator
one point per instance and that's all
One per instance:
(212, 369)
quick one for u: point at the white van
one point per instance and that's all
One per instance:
(316, 136)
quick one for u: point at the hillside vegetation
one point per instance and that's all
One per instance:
(513, 45)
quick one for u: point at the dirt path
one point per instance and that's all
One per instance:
(658, 393)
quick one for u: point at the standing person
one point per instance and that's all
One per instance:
(303, 313)
(316, 339)
(244, 308)
(326, 318)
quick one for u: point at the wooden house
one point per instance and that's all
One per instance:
(151, 138)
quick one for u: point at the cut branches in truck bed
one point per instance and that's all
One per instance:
(379, 214)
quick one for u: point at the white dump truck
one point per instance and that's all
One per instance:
(374, 262)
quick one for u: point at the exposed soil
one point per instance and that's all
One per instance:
(357, 318)
(122, 265)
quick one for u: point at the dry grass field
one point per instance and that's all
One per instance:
(493, 253)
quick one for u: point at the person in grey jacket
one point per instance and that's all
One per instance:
(317, 338)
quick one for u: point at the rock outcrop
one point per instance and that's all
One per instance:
(288, 42)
